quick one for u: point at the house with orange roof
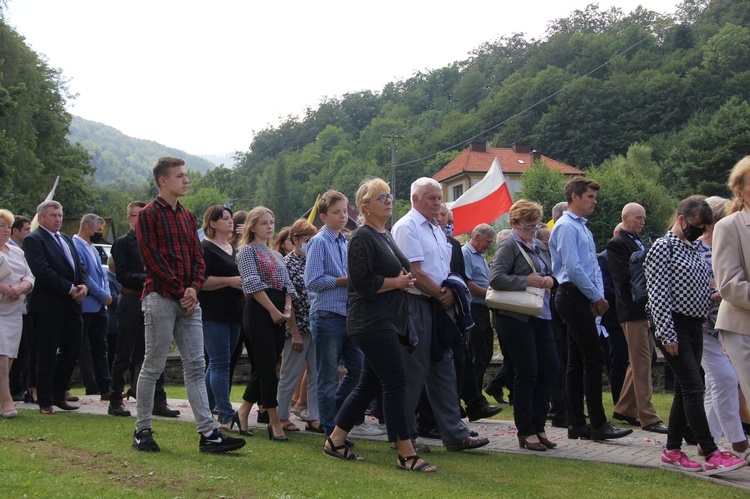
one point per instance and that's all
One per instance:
(471, 165)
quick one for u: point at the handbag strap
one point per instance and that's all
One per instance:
(526, 256)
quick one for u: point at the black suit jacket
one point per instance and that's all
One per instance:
(619, 249)
(54, 275)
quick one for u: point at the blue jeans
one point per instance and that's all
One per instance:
(220, 338)
(164, 320)
(332, 344)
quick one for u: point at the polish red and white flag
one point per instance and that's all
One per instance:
(485, 202)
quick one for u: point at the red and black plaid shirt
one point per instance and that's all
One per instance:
(170, 249)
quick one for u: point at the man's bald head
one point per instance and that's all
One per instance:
(633, 218)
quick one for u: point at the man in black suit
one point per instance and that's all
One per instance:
(55, 304)
(634, 405)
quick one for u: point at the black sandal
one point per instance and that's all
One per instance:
(414, 466)
(347, 455)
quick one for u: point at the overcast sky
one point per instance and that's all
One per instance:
(202, 76)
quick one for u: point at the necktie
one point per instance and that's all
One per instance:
(66, 250)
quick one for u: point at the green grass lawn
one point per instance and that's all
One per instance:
(90, 456)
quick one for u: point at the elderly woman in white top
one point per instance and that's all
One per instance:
(15, 281)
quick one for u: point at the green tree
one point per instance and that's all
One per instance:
(628, 179)
(712, 148)
(543, 185)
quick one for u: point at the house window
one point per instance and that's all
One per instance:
(457, 191)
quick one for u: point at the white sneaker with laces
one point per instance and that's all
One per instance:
(365, 430)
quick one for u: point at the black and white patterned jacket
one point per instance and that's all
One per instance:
(677, 281)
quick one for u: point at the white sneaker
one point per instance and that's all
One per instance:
(365, 430)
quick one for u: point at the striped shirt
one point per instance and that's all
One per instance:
(326, 260)
(170, 249)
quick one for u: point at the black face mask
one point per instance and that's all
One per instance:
(691, 232)
(97, 237)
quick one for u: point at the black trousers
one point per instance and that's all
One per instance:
(687, 406)
(480, 342)
(95, 338)
(586, 359)
(383, 369)
(131, 332)
(267, 341)
(58, 342)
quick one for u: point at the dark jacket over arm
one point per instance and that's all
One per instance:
(619, 249)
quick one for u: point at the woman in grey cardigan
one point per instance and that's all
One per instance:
(529, 339)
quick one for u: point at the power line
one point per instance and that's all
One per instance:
(528, 108)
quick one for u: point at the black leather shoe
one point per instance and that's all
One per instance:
(116, 409)
(467, 443)
(66, 406)
(486, 411)
(608, 431)
(582, 432)
(429, 432)
(165, 411)
(631, 420)
(657, 427)
(497, 394)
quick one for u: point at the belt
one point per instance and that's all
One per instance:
(426, 298)
(130, 292)
(569, 285)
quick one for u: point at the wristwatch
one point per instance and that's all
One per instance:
(287, 307)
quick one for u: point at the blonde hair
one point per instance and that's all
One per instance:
(252, 218)
(367, 191)
(719, 206)
(524, 211)
(8, 217)
(737, 181)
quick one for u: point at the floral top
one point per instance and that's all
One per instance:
(262, 268)
(301, 303)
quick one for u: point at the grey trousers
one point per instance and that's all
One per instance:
(164, 320)
(438, 377)
(291, 370)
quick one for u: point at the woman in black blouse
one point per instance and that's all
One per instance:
(679, 296)
(221, 301)
(266, 284)
(378, 279)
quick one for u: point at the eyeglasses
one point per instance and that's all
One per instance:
(385, 197)
(530, 227)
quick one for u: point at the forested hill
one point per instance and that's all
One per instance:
(117, 156)
(595, 84)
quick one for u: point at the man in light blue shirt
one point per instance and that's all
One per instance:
(481, 336)
(326, 280)
(579, 299)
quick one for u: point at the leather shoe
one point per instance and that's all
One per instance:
(582, 432)
(429, 433)
(116, 409)
(608, 431)
(165, 411)
(631, 420)
(70, 397)
(486, 411)
(65, 406)
(497, 394)
(657, 427)
(468, 443)
(46, 410)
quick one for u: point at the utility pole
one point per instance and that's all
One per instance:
(393, 138)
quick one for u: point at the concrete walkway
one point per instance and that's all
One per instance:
(640, 449)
